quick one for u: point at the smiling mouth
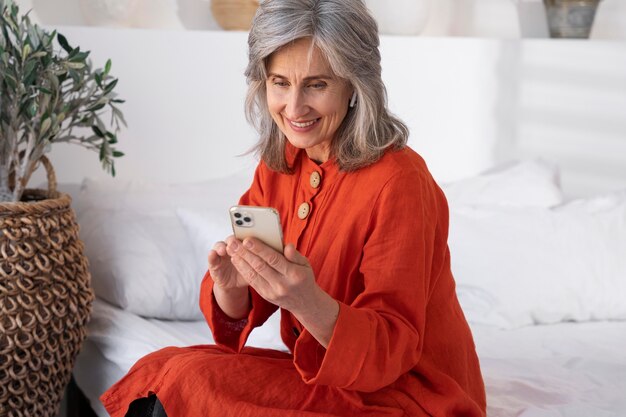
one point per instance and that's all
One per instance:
(302, 125)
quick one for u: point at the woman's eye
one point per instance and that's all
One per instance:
(317, 86)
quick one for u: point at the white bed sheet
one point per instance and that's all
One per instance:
(568, 369)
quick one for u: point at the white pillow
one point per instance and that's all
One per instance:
(520, 266)
(140, 256)
(525, 183)
(203, 229)
(143, 261)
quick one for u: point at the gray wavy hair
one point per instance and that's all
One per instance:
(347, 35)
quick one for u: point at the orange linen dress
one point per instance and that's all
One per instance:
(377, 241)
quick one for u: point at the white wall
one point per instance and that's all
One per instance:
(184, 107)
(469, 103)
(571, 108)
(487, 99)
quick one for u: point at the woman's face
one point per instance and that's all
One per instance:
(306, 100)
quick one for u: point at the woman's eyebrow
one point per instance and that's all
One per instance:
(312, 77)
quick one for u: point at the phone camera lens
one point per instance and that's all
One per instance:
(247, 219)
(237, 215)
(239, 223)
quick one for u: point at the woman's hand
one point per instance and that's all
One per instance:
(224, 274)
(230, 289)
(286, 280)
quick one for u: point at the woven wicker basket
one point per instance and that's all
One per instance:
(234, 14)
(45, 300)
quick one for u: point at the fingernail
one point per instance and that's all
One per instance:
(247, 243)
(234, 245)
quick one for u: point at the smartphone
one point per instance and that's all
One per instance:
(262, 223)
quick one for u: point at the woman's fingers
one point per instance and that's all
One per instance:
(253, 272)
(256, 264)
(272, 258)
(292, 255)
(215, 254)
(214, 259)
(280, 280)
(221, 267)
(220, 248)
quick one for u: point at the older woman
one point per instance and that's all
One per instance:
(369, 311)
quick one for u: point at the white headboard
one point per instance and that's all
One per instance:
(469, 103)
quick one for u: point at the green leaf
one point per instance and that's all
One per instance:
(45, 125)
(79, 57)
(54, 81)
(11, 82)
(98, 78)
(32, 109)
(107, 67)
(44, 90)
(26, 51)
(64, 44)
(30, 72)
(75, 65)
(110, 86)
(39, 54)
(97, 131)
(75, 77)
(96, 107)
(117, 154)
(112, 138)
(33, 36)
(117, 113)
(118, 101)
(50, 38)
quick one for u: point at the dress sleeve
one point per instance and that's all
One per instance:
(229, 333)
(377, 337)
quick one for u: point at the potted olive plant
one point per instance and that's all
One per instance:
(49, 93)
(46, 97)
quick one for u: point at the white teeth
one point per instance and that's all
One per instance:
(302, 125)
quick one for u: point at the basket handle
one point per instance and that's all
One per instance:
(50, 174)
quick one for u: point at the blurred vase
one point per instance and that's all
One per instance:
(570, 18)
(108, 12)
(196, 15)
(234, 14)
(400, 17)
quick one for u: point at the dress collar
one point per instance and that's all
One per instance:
(304, 165)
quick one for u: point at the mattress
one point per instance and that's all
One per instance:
(567, 369)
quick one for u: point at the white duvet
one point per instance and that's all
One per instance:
(567, 369)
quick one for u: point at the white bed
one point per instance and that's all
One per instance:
(470, 104)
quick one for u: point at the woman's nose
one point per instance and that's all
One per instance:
(296, 104)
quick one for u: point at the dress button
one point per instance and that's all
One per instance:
(303, 211)
(315, 180)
